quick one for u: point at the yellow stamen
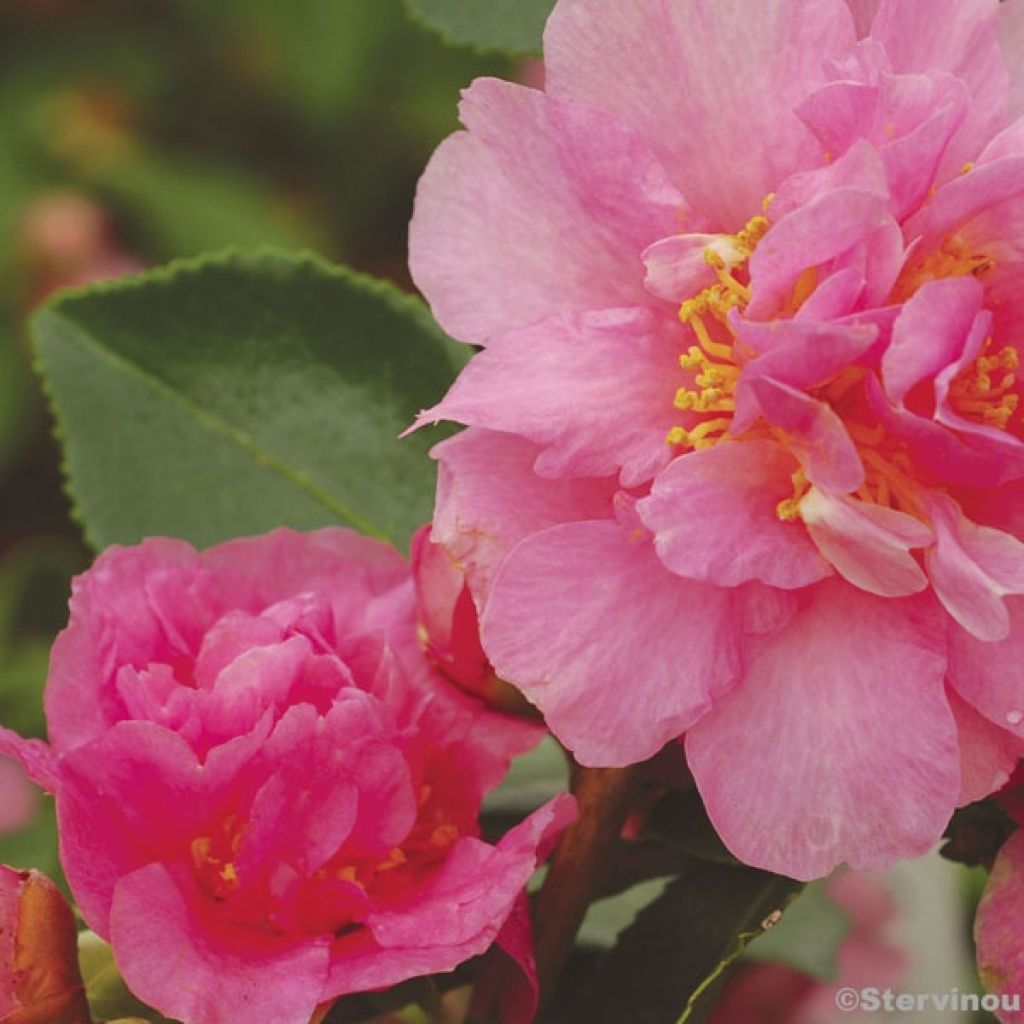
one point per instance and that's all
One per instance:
(973, 394)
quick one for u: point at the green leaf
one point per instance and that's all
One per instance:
(808, 937)
(665, 964)
(514, 26)
(236, 393)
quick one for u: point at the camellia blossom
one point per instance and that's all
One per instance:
(262, 784)
(744, 458)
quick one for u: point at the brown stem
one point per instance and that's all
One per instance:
(580, 864)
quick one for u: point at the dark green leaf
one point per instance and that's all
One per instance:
(232, 394)
(514, 26)
(667, 961)
(679, 818)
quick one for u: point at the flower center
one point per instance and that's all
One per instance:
(713, 360)
(984, 392)
(954, 258)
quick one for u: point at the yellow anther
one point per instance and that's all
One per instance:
(788, 509)
(973, 395)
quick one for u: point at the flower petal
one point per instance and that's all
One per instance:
(868, 544)
(541, 207)
(838, 744)
(594, 390)
(713, 516)
(710, 85)
(579, 645)
(997, 932)
(231, 973)
(489, 498)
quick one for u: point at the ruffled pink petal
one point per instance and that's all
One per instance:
(997, 932)
(231, 973)
(812, 235)
(839, 744)
(868, 544)
(36, 758)
(666, 645)
(456, 915)
(799, 353)
(594, 390)
(930, 333)
(972, 568)
(817, 435)
(106, 798)
(710, 85)
(489, 498)
(256, 573)
(988, 754)
(987, 674)
(958, 36)
(540, 207)
(677, 269)
(713, 516)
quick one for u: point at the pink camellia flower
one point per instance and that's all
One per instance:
(744, 457)
(266, 796)
(997, 931)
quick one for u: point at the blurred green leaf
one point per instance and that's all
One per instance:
(513, 26)
(186, 206)
(667, 961)
(36, 845)
(105, 989)
(232, 394)
(532, 779)
(808, 937)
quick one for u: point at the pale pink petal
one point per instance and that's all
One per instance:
(869, 545)
(541, 207)
(959, 36)
(714, 517)
(710, 85)
(812, 235)
(997, 931)
(972, 568)
(799, 353)
(987, 674)
(232, 973)
(671, 652)
(796, 765)
(594, 390)
(818, 437)
(489, 498)
(677, 268)
(1011, 40)
(988, 754)
(930, 333)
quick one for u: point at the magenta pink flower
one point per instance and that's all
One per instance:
(744, 458)
(266, 796)
(997, 931)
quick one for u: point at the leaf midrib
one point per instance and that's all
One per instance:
(209, 421)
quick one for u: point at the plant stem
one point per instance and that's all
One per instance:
(580, 864)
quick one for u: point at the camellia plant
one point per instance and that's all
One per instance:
(721, 594)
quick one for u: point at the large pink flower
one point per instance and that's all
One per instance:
(744, 458)
(266, 796)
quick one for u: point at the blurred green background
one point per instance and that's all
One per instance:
(138, 132)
